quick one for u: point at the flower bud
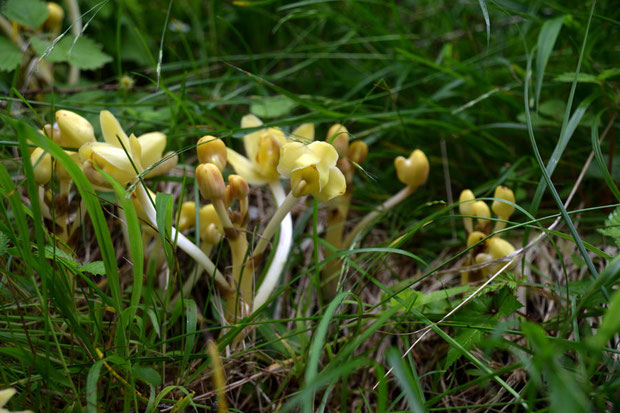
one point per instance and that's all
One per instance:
(238, 186)
(187, 216)
(61, 172)
(482, 211)
(212, 150)
(466, 207)
(499, 248)
(210, 181)
(56, 14)
(412, 171)
(502, 209)
(474, 238)
(338, 135)
(52, 132)
(42, 164)
(75, 130)
(358, 151)
(211, 229)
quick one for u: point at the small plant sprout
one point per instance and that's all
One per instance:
(413, 172)
(484, 245)
(259, 167)
(354, 154)
(127, 159)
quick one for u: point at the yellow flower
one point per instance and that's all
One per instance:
(262, 150)
(5, 395)
(124, 157)
(412, 171)
(312, 169)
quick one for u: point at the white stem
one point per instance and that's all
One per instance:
(282, 251)
(182, 241)
(283, 210)
(390, 203)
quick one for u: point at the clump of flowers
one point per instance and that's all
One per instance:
(493, 247)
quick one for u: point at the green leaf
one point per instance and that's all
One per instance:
(30, 13)
(147, 374)
(95, 267)
(4, 243)
(272, 106)
(569, 77)
(468, 339)
(11, 55)
(546, 40)
(91, 386)
(407, 380)
(84, 54)
(612, 226)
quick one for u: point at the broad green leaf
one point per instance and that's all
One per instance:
(95, 267)
(30, 13)
(91, 387)
(546, 40)
(407, 380)
(85, 53)
(612, 226)
(147, 374)
(272, 107)
(11, 55)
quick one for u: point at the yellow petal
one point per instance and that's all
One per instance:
(187, 216)
(211, 229)
(75, 130)
(245, 168)
(153, 145)
(289, 156)
(304, 133)
(327, 157)
(112, 130)
(335, 186)
(111, 159)
(305, 181)
(42, 163)
(164, 165)
(136, 153)
(250, 121)
(5, 395)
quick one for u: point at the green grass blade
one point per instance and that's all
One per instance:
(546, 41)
(410, 384)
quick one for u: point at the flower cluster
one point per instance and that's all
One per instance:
(493, 247)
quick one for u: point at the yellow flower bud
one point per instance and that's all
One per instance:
(53, 23)
(212, 150)
(187, 216)
(474, 238)
(482, 211)
(211, 229)
(412, 171)
(238, 186)
(499, 248)
(466, 208)
(502, 209)
(75, 130)
(42, 164)
(358, 151)
(210, 181)
(52, 132)
(338, 135)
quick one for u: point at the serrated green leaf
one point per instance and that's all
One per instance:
(95, 267)
(272, 106)
(30, 13)
(85, 53)
(11, 55)
(612, 226)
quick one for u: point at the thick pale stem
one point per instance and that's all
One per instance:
(336, 218)
(469, 224)
(243, 274)
(499, 225)
(274, 223)
(282, 251)
(182, 241)
(369, 218)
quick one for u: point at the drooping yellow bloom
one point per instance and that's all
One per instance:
(124, 157)
(262, 150)
(312, 169)
(412, 171)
